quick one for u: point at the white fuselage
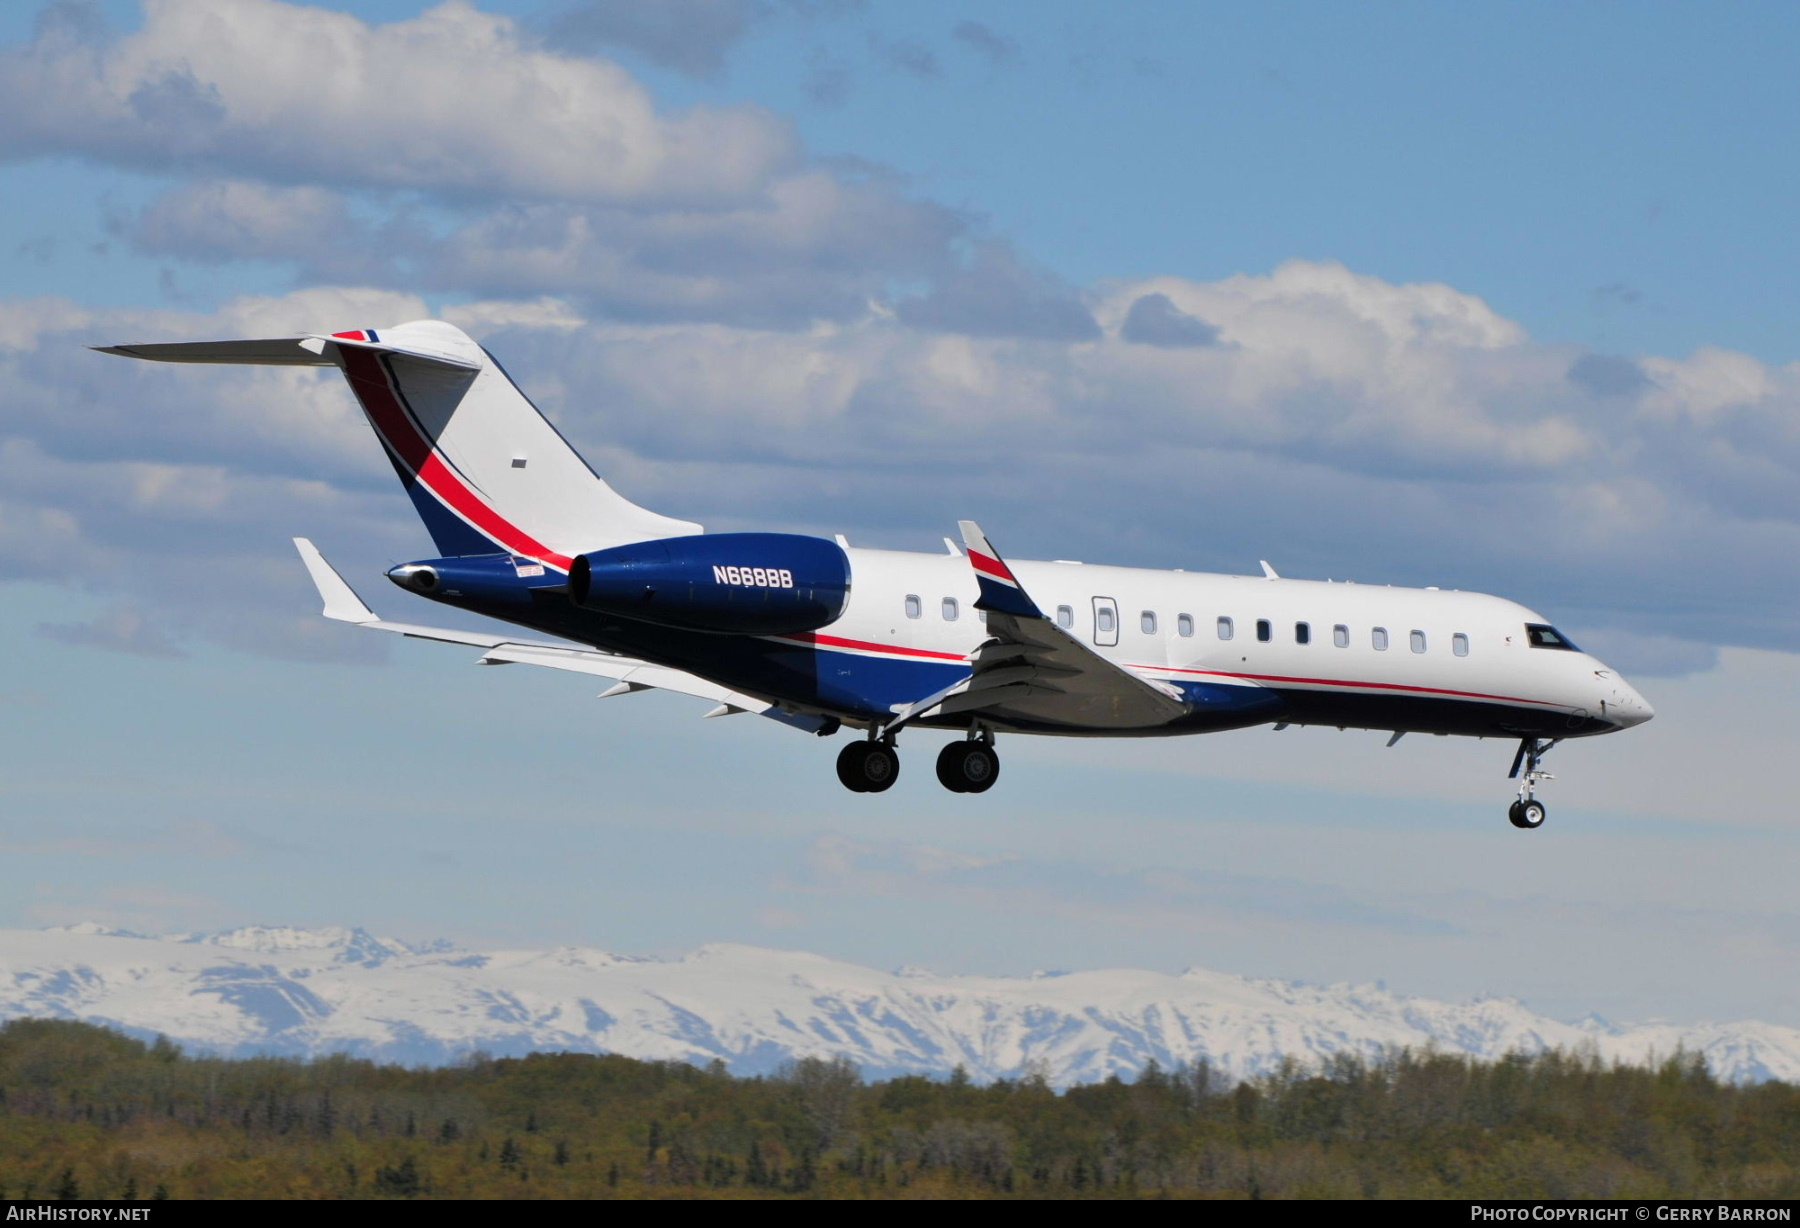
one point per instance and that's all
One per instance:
(1393, 657)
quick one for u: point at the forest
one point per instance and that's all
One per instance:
(86, 1112)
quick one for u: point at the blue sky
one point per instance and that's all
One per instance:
(1494, 297)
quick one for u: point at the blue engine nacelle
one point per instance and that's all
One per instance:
(735, 583)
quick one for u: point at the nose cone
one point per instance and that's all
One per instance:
(1626, 707)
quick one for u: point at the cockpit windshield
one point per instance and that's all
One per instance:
(1542, 635)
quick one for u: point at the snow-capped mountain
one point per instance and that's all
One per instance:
(304, 992)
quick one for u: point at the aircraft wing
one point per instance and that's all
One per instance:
(1033, 671)
(343, 605)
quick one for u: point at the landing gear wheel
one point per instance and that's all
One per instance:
(968, 767)
(868, 767)
(1527, 814)
(849, 768)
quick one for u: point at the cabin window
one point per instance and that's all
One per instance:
(1378, 638)
(1418, 641)
(1225, 629)
(1147, 621)
(1302, 633)
(1265, 631)
(1065, 616)
(1459, 644)
(950, 610)
(1184, 625)
(1103, 619)
(914, 607)
(1542, 635)
(1340, 635)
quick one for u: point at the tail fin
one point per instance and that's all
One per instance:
(486, 471)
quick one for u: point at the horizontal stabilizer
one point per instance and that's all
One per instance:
(273, 352)
(310, 350)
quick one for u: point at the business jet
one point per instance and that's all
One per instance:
(822, 636)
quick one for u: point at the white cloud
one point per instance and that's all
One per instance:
(294, 421)
(453, 100)
(485, 317)
(216, 220)
(1708, 383)
(1342, 424)
(812, 245)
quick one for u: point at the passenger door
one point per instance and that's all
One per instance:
(1106, 622)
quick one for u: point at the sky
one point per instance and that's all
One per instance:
(1495, 297)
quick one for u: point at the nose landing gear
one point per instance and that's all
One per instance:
(1527, 811)
(1526, 814)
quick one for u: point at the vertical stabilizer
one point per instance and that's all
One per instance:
(486, 471)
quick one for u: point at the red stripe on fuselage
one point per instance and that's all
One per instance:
(1346, 682)
(833, 641)
(369, 380)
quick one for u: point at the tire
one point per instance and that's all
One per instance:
(949, 767)
(849, 768)
(868, 767)
(1528, 815)
(968, 767)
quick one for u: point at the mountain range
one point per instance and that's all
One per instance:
(308, 992)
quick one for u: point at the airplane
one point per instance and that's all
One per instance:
(823, 636)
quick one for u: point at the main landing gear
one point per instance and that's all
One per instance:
(1528, 812)
(969, 766)
(871, 765)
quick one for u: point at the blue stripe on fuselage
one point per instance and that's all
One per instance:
(861, 685)
(855, 684)
(870, 686)
(845, 683)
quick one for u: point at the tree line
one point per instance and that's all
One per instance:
(87, 1112)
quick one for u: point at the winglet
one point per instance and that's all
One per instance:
(1000, 589)
(1268, 571)
(341, 601)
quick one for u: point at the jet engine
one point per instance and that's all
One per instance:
(733, 583)
(472, 580)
